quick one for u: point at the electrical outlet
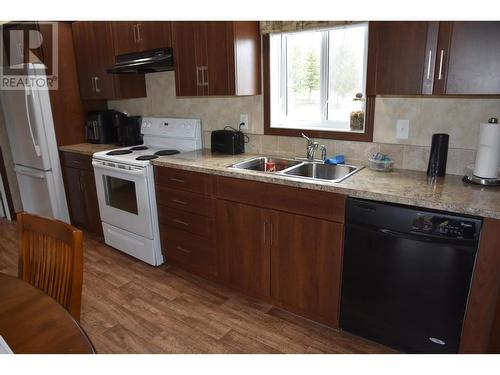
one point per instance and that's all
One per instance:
(402, 129)
(244, 120)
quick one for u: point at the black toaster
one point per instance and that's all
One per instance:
(228, 142)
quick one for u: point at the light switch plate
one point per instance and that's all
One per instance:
(244, 120)
(402, 129)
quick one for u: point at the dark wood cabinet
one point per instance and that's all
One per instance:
(434, 58)
(306, 265)
(81, 192)
(94, 50)
(402, 58)
(243, 241)
(216, 58)
(468, 59)
(186, 211)
(270, 245)
(136, 36)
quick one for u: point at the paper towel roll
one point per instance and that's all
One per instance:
(488, 150)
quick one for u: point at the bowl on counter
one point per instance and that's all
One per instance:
(381, 165)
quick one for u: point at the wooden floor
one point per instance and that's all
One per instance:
(131, 307)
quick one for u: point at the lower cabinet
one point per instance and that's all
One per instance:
(243, 241)
(261, 239)
(306, 265)
(81, 192)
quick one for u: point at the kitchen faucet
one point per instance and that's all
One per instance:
(311, 147)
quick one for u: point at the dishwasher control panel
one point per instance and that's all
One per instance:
(443, 226)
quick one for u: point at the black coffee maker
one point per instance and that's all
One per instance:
(99, 126)
(128, 129)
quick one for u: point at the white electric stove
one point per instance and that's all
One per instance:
(126, 190)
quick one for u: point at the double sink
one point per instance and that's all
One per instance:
(312, 170)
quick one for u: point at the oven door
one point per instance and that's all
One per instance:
(123, 195)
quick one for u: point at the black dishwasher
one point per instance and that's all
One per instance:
(406, 275)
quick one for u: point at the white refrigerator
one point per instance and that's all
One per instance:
(30, 128)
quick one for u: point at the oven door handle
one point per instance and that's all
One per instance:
(135, 172)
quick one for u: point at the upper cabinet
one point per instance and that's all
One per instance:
(468, 59)
(95, 53)
(135, 36)
(216, 58)
(434, 58)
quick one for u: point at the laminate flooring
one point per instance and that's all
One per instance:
(131, 307)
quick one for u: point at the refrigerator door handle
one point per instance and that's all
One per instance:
(35, 145)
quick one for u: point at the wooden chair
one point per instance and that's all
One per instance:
(51, 259)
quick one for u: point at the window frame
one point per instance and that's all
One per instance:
(366, 136)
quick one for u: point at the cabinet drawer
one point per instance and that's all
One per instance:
(314, 203)
(188, 250)
(185, 201)
(75, 160)
(193, 223)
(184, 180)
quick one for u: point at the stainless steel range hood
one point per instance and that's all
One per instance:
(156, 60)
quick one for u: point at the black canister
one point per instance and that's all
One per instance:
(438, 156)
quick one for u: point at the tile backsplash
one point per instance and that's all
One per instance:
(458, 117)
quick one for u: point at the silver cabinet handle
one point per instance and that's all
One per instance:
(139, 33)
(180, 222)
(198, 70)
(134, 29)
(429, 65)
(183, 249)
(177, 180)
(97, 89)
(271, 229)
(205, 75)
(93, 84)
(179, 201)
(440, 75)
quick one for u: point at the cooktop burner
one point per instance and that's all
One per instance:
(138, 148)
(146, 157)
(118, 152)
(166, 152)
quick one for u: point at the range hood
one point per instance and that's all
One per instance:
(152, 61)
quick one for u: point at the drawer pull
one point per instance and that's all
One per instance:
(179, 201)
(180, 222)
(177, 180)
(183, 250)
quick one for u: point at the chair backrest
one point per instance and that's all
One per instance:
(51, 259)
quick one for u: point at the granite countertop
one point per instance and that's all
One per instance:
(87, 148)
(448, 193)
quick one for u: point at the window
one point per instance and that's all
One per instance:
(318, 78)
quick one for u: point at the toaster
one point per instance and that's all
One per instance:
(228, 142)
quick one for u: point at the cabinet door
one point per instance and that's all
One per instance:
(94, 54)
(76, 201)
(468, 58)
(154, 34)
(243, 237)
(306, 264)
(220, 58)
(125, 38)
(404, 55)
(90, 200)
(189, 58)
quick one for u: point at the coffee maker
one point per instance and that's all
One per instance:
(99, 127)
(128, 129)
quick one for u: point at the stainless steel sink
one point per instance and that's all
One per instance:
(320, 171)
(266, 164)
(298, 168)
